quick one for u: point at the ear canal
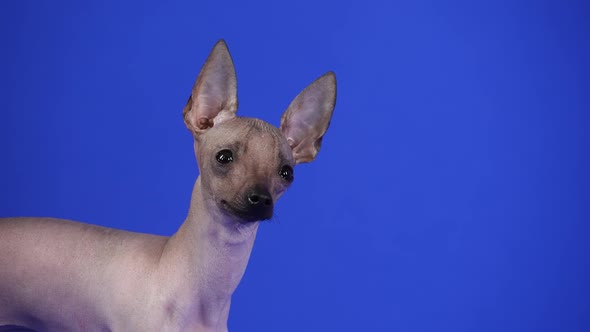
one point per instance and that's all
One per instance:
(307, 118)
(214, 94)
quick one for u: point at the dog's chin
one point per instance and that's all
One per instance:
(244, 215)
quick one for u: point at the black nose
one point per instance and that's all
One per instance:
(257, 198)
(260, 205)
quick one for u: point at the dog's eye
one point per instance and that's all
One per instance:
(286, 173)
(224, 156)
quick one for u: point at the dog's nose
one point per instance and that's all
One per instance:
(257, 198)
(260, 204)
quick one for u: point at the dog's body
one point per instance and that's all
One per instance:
(58, 275)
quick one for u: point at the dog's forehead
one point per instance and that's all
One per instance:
(243, 129)
(250, 134)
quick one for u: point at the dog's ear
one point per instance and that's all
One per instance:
(307, 118)
(214, 96)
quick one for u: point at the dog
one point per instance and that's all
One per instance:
(60, 275)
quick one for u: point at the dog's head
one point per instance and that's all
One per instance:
(246, 163)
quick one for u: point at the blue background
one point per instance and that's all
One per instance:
(451, 191)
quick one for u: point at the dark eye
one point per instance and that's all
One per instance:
(224, 156)
(286, 173)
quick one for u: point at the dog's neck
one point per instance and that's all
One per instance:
(202, 263)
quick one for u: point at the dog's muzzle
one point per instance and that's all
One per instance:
(256, 205)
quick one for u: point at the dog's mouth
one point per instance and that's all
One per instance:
(245, 213)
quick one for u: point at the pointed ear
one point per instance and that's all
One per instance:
(306, 120)
(214, 96)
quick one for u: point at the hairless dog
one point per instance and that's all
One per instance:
(60, 275)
